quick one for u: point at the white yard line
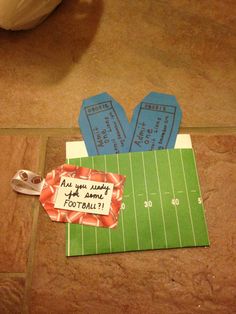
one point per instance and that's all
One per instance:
(95, 228)
(177, 218)
(82, 228)
(162, 211)
(146, 191)
(96, 239)
(200, 195)
(187, 193)
(121, 210)
(105, 161)
(135, 214)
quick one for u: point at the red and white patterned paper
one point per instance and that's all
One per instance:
(51, 185)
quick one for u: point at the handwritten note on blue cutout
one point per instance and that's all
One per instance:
(155, 123)
(104, 125)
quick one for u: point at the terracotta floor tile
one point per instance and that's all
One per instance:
(166, 281)
(84, 48)
(16, 210)
(56, 151)
(11, 295)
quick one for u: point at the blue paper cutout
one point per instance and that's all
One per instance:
(104, 125)
(155, 123)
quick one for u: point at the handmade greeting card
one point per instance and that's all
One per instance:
(161, 208)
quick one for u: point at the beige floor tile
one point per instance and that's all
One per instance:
(127, 49)
(16, 210)
(166, 281)
(11, 294)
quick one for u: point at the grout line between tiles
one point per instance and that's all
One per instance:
(12, 275)
(41, 132)
(76, 131)
(209, 130)
(36, 208)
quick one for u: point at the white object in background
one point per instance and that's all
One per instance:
(183, 141)
(77, 149)
(25, 14)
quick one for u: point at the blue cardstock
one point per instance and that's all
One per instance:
(155, 123)
(104, 125)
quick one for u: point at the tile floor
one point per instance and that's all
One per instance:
(185, 48)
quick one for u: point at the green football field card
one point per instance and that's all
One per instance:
(162, 205)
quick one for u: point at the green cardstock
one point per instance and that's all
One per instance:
(162, 205)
